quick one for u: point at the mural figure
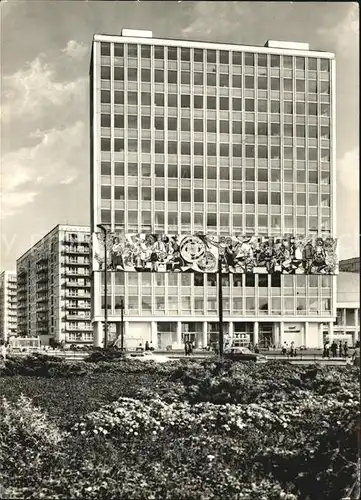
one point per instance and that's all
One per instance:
(200, 253)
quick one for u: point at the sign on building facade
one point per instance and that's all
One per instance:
(147, 252)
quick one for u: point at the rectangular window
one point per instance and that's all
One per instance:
(105, 96)
(198, 78)
(249, 82)
(237, 81)
(105, 73)
(263, 280)
(159, 194)
(119, 74)
(172, 100)
(105, 120)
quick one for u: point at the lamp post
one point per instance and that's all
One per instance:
(105, 232)
(220, 303)
(122, 325)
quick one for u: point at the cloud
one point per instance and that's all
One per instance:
(75, 50)
(213, 17)
(346, 31)
(11, 203)
(53, 160)
(348, 170)
(30, 91)
(68, 180)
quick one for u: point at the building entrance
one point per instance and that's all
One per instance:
(265, 335)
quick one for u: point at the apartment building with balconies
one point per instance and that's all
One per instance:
(54, 287)
(8, 305)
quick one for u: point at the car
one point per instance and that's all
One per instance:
(147, 356)
(243, 354)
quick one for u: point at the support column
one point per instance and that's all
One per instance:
(305, 335)
(356, 334)
(126, 333)
(321, 335)
(179, 334)
(205, 333)
(276, 334)
(255, 333)
(231, 332)
(98, 334)
(330, 331)
(282, 329)
(154, 334)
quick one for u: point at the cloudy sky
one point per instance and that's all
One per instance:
(45, 50)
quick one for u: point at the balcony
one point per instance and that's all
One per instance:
(70, 284)
(78, 274)
(75, 251)
(42, 329)
(84, 307)
(42, 322)
(42, 278)
(77, 297)
(42, 268)
(76, 317)
(42, 309)
(42, 298)
(86, 328)
(43, 288)
(76, 263)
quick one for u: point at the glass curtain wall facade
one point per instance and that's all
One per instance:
(201, 137)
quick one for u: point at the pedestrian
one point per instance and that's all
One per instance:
(284, 348)
(190, 348)
(334, 349)
(3, 352)
(147, 348)
(326, 349)
(256, 349)
(186, 348)
(151, 348)
(356, 357)
(340, 349)
(345, 349)
(292, 349)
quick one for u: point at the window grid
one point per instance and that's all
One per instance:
(302, 221)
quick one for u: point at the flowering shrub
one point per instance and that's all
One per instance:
(42, 365)
(187, 430)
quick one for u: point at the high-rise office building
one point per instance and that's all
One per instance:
(196, 137)
(8, 303)
(54, 287)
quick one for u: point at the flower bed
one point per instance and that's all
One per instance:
(188, 430)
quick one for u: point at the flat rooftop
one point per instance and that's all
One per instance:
(270, 46)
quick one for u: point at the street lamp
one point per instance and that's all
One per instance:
(105, 232)
(220, 302)
(122, 325)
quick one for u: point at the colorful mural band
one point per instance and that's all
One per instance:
(200, 253)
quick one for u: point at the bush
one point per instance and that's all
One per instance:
(188, 430)
(42, 365)
(110, 354)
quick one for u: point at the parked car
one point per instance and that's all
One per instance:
(243, 354)
(148, 356)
